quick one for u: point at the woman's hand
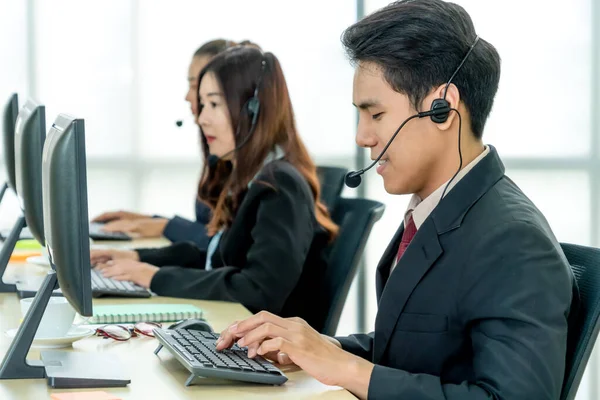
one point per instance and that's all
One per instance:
(142, 227)
(103, 256)
(118, 215)
(128, 270)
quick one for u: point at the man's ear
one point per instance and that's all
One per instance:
(453, 99)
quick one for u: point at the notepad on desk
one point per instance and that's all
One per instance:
(133, 313)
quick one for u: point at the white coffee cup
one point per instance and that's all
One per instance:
(57, 320)
(45, 253)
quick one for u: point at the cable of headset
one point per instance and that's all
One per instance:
(459, 154)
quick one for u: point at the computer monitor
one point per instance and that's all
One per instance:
(66, 232)
(30, 135)
(11, 110)
(65, 210)
(29, 124)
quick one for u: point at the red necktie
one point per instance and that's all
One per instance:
(409, 233)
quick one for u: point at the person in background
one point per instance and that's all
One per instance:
(269, 229)
(175, 229)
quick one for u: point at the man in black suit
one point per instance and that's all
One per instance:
(474, 291)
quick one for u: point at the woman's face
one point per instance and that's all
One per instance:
(193, 71)
(214, 118)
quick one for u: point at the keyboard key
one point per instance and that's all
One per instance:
(175, 335)
(112, 286)
(240, 361)
(256, 366)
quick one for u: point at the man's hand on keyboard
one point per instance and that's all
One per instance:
(322, 357)
(128, 270)
(104, 255)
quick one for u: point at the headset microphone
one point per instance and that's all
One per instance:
(354, 178)
(439, 112)
(179, 123)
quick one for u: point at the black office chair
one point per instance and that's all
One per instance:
(332, 182)
(355, 218)
(584, 321)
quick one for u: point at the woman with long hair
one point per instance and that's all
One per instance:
(175, 229)
(268, 227)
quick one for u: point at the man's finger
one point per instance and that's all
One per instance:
(225, 341)
(265, 331)
(252, 348)
(283, 359)
(276, 344)
(257, 320)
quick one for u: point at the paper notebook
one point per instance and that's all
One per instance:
(132, 313)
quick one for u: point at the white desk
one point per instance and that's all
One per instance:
(153, 377)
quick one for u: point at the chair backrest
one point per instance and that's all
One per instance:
(355, 218)
(584, 318)
(332, 182)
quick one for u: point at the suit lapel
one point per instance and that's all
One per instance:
(420, 255)
(383, 268)
(425, 248)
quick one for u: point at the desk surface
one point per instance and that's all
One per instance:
(155, 377)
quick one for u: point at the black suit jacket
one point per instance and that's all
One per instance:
(179, 229)
(271, 258)
(477, 307)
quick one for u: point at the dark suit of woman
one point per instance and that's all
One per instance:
(271, 258)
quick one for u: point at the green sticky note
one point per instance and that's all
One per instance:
(28, 244)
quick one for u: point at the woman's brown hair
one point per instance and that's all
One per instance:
(239, 71)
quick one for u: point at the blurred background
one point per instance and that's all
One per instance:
(122, 66)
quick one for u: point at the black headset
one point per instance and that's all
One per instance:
(253, 104)
(439, 112)
(252, 109)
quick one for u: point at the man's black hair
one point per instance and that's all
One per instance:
(418, 44)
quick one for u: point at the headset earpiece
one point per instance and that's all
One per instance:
(440, 109)
(253, 107)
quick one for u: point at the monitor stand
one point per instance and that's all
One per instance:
(7, 248)
(3, 190)
(15, 364)
(71, 370)
(64, 369)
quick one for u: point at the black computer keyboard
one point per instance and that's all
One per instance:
(197, 352)
(102, 286)
(96, 233)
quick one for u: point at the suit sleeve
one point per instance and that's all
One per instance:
(179, 229)
(515, 298)
(184, 254)
(359, 344)
(281, 236)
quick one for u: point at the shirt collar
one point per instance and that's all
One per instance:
(420, 209)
